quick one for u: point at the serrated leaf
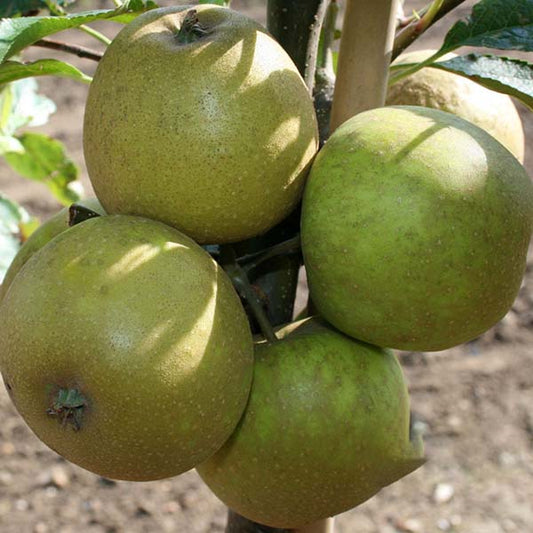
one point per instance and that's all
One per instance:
(44, 159)
(16, 225)
(14, 8)
(506, 75)
(17, 33)
(14, 70)
(21, 105)
(501, 24)
(135, 11)
(11, 8)
(224, 3)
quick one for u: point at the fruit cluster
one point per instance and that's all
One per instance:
(124, 344)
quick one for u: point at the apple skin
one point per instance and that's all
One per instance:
(214, 137)
(55, 225)
(438, 89)
(140, 320)
(415, 228)
(325, 428)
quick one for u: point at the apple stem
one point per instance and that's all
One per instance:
(242, 284)
(191, 30)
(253, 260)
(364, 58)
(68, 406)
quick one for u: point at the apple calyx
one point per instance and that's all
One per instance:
(78, 213)
(68, 406)
(191, 30)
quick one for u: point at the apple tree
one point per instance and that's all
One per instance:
(263, 264)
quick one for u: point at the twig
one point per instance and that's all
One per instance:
(418, 26)
(415, 26)
(79, 51)
(401, 19)
(312, 45)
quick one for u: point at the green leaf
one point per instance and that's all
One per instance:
(13, 8)
(501, 24)
(44, 160)
(14, 70)
(16, 225)
(17, 33)
(510, 76)
(21, 105)
(224, 3)
(136, 7)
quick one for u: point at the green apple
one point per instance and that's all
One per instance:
(55, 225)
(126, 349)
(199, 118)
(325, 428)
(415, 228)
(490, 110)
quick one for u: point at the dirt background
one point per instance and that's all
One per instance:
(473, 403)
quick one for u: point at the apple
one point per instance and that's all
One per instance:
(438, 89)
(43, 234)
(126, 349)
(415, 228)
(197, 117)
(325, 428)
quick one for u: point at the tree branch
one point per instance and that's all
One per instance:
(364, 58)
(325, 73)
(290, 22)
(79, 51)
(238, 524)
(312, 45)
(322, 526)
(415, 26)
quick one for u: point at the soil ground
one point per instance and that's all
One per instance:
(473, 403)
